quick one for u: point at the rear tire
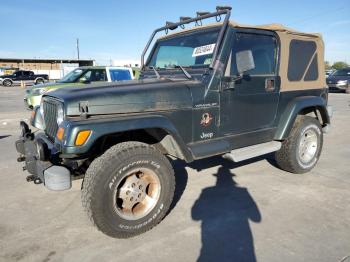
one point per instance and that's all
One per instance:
(301, 150)
(39, 81)
(128, 190)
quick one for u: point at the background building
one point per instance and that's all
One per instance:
(55, 68)
(126, 62)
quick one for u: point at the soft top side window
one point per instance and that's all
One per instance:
(303, 63)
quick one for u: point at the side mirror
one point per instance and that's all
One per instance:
(245, 61)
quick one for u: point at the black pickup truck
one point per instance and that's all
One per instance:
(21, 75)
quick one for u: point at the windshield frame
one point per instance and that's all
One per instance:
(200, 17)
(83, 70)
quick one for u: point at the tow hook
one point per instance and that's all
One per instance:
(21, 159)
(34, 179)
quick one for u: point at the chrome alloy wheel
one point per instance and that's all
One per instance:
(308, 146)
(137, 194)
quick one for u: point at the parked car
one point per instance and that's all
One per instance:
(223, 89)
(340, 80)
(78, 77)
(21, 75)
(329, 72)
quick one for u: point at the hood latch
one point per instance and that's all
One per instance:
(84, 109)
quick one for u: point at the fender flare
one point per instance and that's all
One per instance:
(294, 108)
(103, 127)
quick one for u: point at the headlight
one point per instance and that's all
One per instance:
(38, 91)
(342, 82)
(60, 114)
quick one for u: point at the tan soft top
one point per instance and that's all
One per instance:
(286, 35)
(271, 27)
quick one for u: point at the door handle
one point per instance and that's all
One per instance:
(270, 84)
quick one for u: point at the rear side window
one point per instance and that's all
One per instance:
(264, 50)
(98, 75)
(302, 61)
(120, 74)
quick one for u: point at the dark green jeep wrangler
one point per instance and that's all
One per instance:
(222, 89)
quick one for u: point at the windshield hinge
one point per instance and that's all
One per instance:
(84, 108)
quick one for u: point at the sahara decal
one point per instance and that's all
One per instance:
(206, 119)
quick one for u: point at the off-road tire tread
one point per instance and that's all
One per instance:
(112, 154)
(283, 157)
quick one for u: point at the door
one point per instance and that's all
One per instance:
(18, 76)
(251, 104)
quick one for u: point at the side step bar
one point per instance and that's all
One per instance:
(245, 153)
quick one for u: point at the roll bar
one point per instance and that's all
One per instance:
(220, 10)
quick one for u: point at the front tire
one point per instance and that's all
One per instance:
(128, 190)
(301, 150)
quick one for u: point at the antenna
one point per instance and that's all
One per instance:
(78, 48)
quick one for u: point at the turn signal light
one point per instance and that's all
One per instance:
(60, 133)
(82, 137)
(32, 114)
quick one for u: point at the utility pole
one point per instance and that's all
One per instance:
(78, 48)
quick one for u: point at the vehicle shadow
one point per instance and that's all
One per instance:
(181, 178)
(224, 211)
(1, 137)
(181, 175)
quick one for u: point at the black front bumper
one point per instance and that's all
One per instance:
(27, 147)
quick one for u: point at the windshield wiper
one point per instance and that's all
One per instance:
(156, 72)
(187, 74)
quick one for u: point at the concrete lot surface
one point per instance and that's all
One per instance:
(223, 211)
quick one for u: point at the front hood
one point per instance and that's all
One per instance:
(126, 96)
(50, 86)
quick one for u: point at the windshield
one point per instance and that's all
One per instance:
(342, 72)
(193, 49)
(71, 76)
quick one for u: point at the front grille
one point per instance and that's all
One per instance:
(50, 118)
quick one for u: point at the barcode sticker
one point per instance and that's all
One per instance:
(203, 50)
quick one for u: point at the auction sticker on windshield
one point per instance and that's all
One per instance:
(203, 50)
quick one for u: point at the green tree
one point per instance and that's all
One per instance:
(339, 65)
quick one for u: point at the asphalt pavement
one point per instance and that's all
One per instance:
(222, 211)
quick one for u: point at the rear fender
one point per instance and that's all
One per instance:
(296, 107)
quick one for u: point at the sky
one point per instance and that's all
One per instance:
(109, 30)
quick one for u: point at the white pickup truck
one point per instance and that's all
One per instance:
(78, 77)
